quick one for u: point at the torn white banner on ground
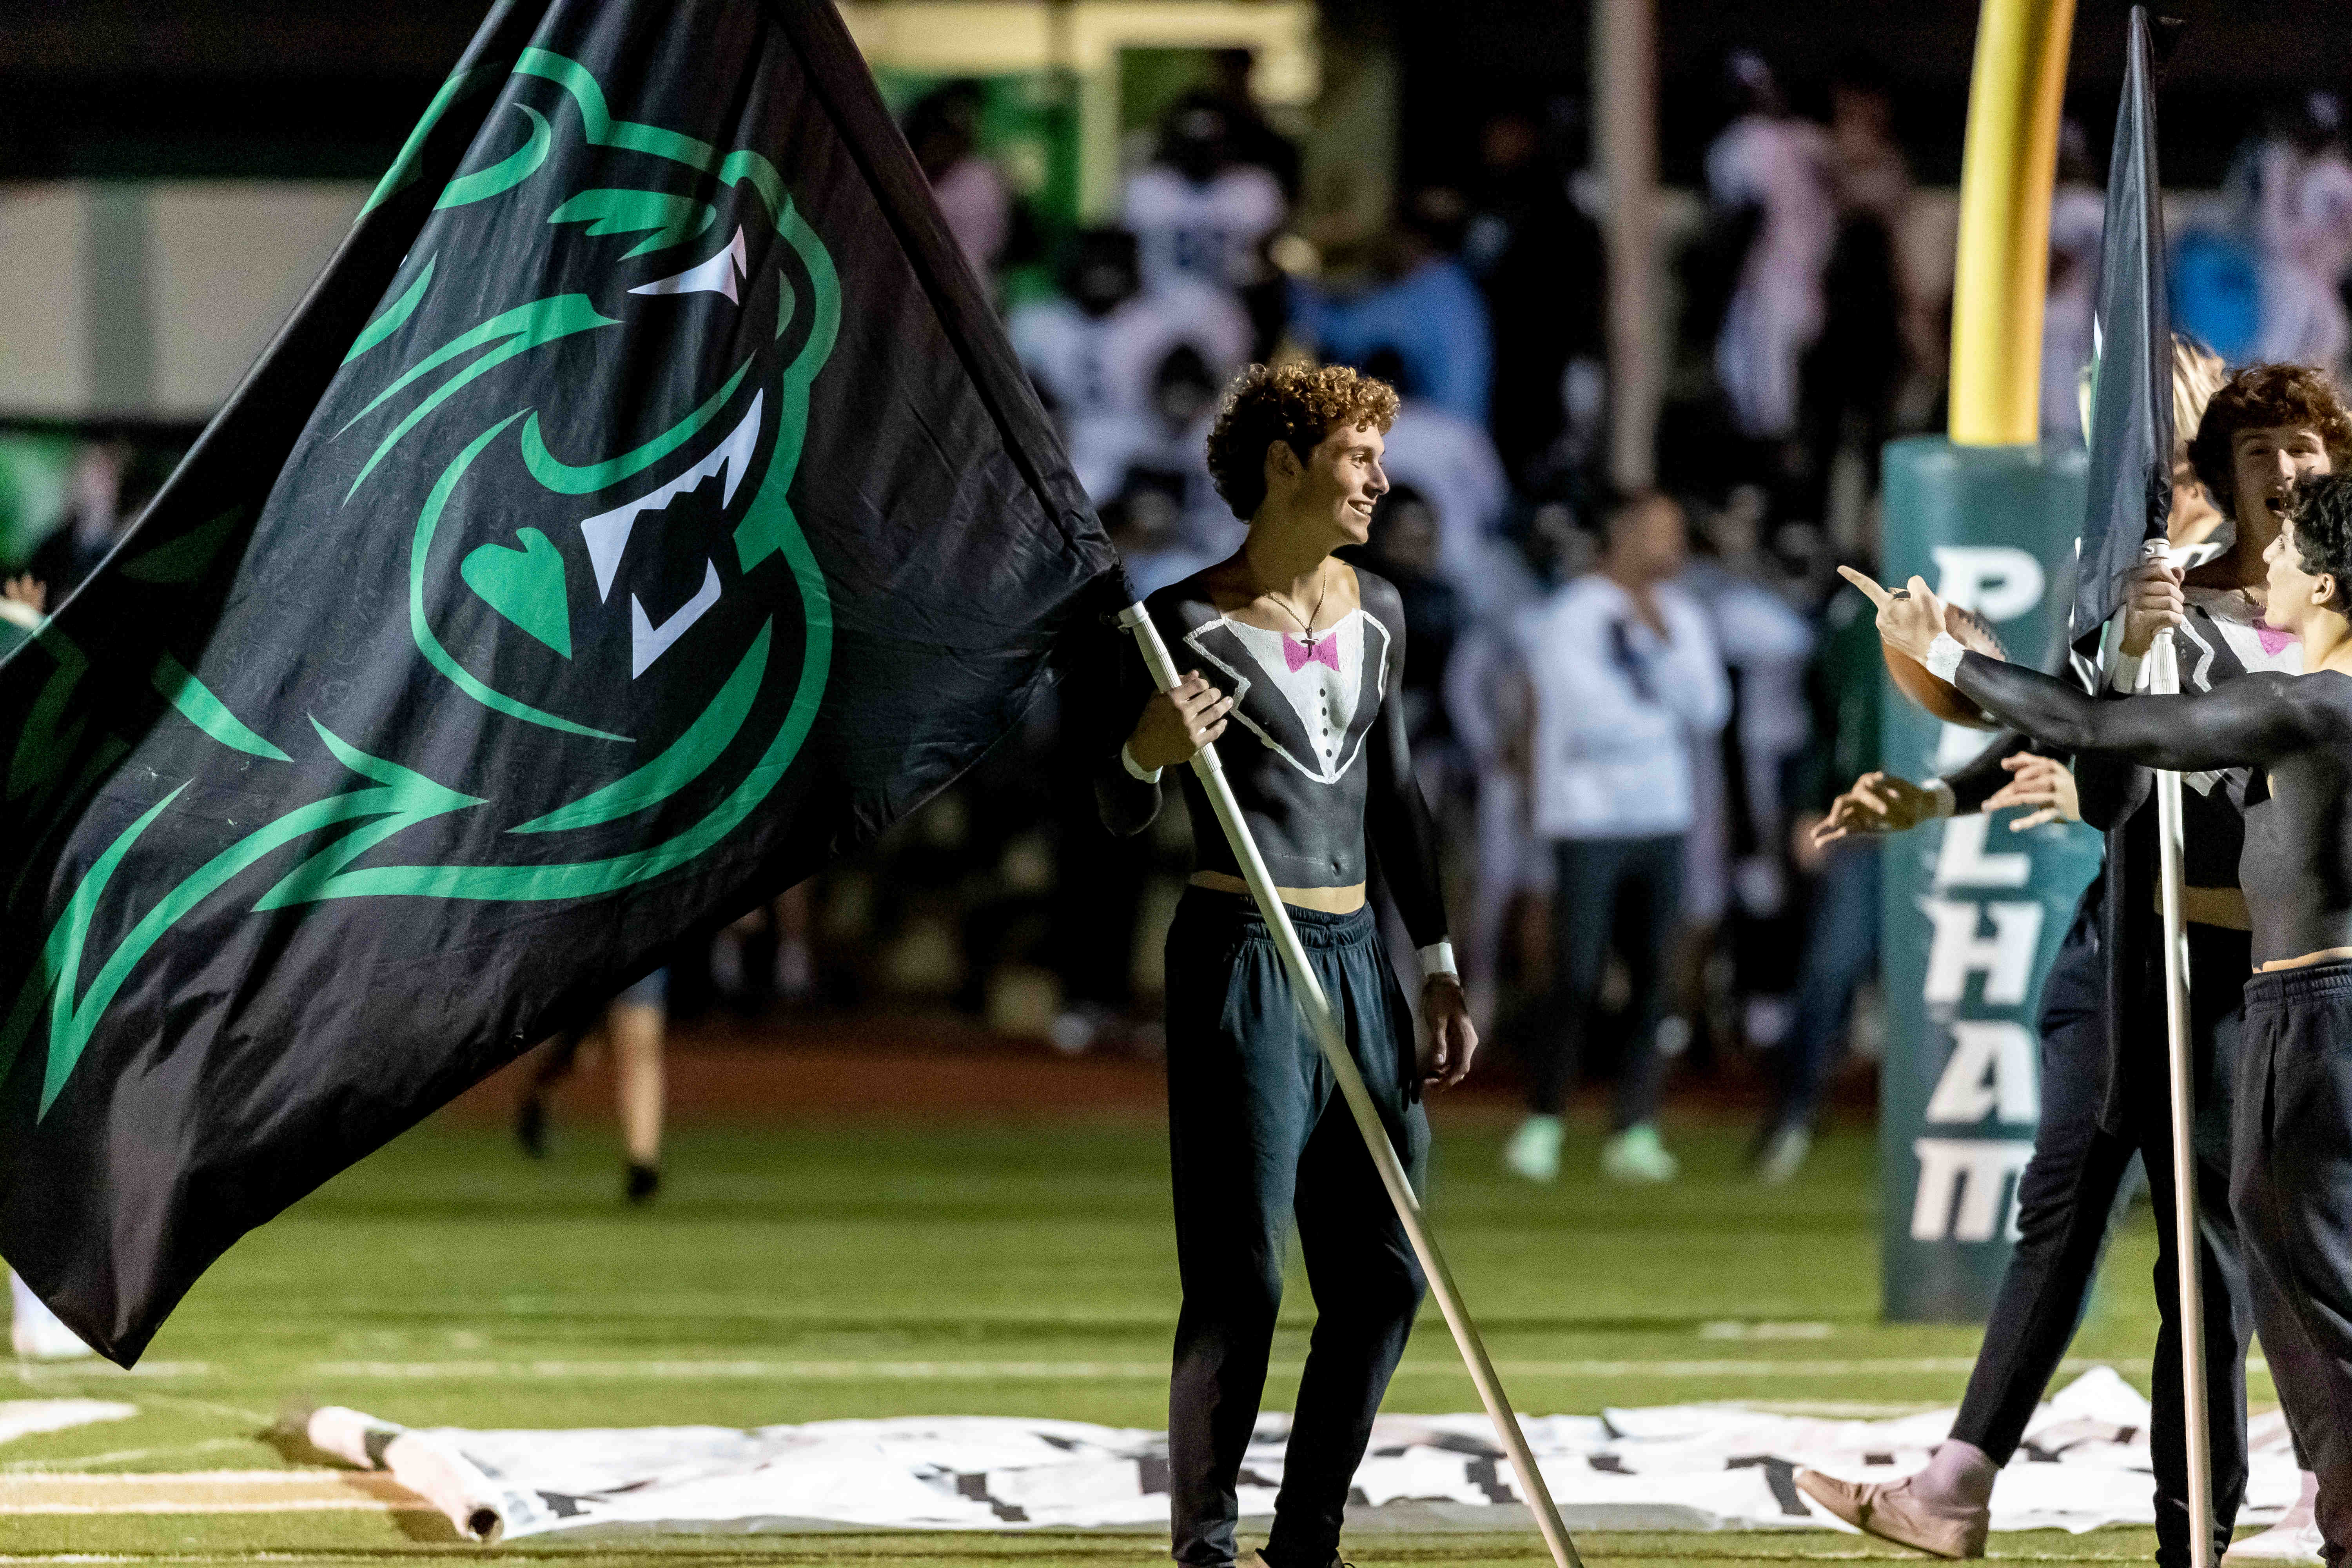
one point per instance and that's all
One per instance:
(2085, 1463)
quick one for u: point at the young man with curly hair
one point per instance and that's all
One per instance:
(1305, 654)
(2290, 1148)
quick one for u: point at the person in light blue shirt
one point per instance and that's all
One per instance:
(1426, 308)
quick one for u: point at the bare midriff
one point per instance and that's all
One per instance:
(2324, 955)
(2222, 907)
(1344, 900)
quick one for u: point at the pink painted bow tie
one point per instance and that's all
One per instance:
(1299, 655)
(2273, 638)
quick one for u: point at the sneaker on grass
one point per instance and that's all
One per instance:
(1635, 1155)
(1533, 1152)
(1783, 1156)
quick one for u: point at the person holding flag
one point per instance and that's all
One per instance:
(2290, 1150)
(1307, 654)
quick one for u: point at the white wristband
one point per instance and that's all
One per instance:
(1940, 799)
(1134, 769)
(1436, 959)
(1944, 655)
(2127, 676)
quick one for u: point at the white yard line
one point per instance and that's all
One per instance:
(81, 1462)
(755, 1370)
(208, 1491)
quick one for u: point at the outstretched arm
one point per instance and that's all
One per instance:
(2253, 721)
(2250, 722)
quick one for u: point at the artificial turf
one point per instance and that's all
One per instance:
(803, 1272)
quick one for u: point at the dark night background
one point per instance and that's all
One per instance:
(290, 88)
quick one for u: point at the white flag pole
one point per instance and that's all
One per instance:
(2164, 680)
(1317, 1009)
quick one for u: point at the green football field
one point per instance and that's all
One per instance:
(832, 1270)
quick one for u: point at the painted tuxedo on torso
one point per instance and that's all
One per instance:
(1315, 751)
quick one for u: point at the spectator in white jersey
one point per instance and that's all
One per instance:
(1094, 352)
(2302, 222)
(1200, 216)
(2078, 222)
(1624, 673)
(1166, 450)
(1781, 168)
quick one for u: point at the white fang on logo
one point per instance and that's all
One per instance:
(716, 276)
(648, 642)
(607, 536)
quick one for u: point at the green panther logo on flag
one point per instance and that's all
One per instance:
(568, 438)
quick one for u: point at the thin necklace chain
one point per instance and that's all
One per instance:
(1306, 621)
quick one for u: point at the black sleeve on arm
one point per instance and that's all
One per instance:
(1399, 833)
(2249, 721)
(1980, 777)
(2109, 788)
(1126, 804)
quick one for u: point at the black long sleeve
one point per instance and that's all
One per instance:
(1398, 828)
(2251, 722)
(1981, 776)
(1126, 804)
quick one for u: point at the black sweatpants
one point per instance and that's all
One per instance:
(2065, 1199)
(1257, 1133)
(2291, 1186)
(1631, 890)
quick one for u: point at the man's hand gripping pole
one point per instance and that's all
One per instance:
(1317, 1010)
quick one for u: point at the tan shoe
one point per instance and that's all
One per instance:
(1889, 1510)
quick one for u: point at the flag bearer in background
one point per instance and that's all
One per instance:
(2103, 1087)
(1303, 657)
(634, 1024)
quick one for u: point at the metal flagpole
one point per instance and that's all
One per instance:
(1317, 1009)
(2164, 680)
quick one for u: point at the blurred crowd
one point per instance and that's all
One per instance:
(1626, 711)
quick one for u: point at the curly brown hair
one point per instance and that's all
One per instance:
(1300, 403)
(2266, 397)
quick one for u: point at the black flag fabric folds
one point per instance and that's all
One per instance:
(644, 508)
(2131, 414)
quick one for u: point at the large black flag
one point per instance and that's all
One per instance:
(2131, 414)
(644, 507)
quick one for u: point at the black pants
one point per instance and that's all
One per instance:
(2065, 1199)
(1629, 890)
(2291, 1184)
(1257, 1133)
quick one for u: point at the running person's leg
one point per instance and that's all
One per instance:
(2064, 1198)
(637, 1021)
